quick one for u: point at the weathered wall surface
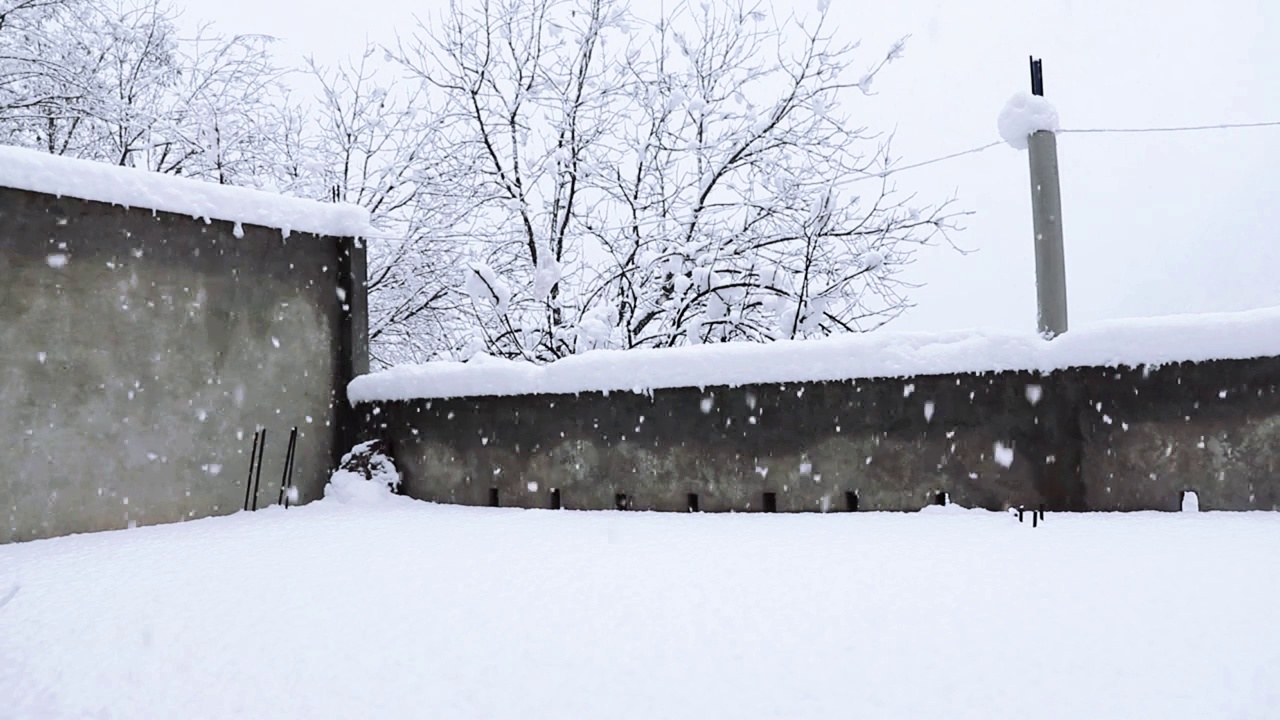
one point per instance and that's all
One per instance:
(139, 352)
(1209, 427)
(1083, 439)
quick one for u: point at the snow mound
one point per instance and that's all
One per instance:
(953, 509)
(1123, 343)
(1023, 115)
(366, 476)
(33, 171)
(1190, 502)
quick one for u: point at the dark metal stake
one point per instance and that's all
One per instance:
(257, 478)
(253, 460)
(286, 477)
(293, 463)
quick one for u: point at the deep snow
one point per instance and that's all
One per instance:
(1132, 343)
(35, 171)
(409, 610)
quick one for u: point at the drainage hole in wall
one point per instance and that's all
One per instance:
(621, 501)
(693, 502)
(851, 501)
(555, 498)
(493, 497)
(942, 498)
(771, 502)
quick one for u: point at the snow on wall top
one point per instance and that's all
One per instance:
(23, 169)
(1132, 343)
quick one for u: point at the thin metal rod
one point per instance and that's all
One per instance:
(293, 461)
(286, 476)
(257, 479)
(284, 470)
(253, 460)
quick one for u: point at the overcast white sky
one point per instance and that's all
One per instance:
(1155, 223)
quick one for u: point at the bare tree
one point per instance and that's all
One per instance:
(375, 143)
(111, 80)
(554, 176)
(222, 115)
(46, 82)
(742, 195)
(530, 103)
(102, 69)
(698, 182)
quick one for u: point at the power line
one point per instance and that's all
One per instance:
(1183, 128)
(434, 237)
(655, 221)
(952, 156)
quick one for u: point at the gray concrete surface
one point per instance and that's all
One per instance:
(1046, 214)
(138, 353)
(1213, 428)
(1084, 439)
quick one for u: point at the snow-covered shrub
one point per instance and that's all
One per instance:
(365, 475)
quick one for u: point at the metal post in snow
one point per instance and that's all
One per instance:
(1046, 213)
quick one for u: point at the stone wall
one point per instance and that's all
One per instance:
(139, 351)
(1078, 439)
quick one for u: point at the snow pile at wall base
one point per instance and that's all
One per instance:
(366, 476)
(1124, 343)
(34, 171)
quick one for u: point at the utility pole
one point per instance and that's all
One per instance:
(1046, 213)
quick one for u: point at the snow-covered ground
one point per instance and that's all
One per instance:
(410, 610)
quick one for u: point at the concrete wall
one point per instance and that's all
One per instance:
(1082, 439)
(138, 353)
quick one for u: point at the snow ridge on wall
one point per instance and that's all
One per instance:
(1124, 343)
(23, 169)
